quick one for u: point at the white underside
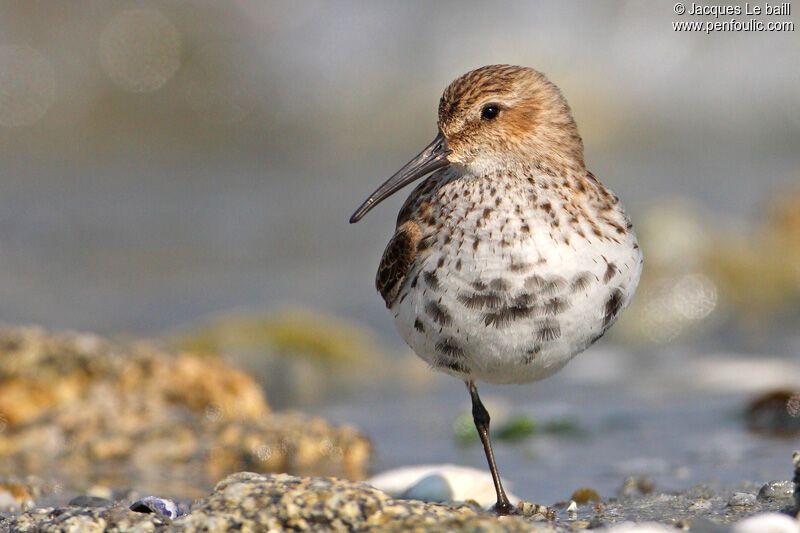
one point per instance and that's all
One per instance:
(500, 355)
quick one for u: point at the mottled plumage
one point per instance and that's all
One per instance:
(511, 257)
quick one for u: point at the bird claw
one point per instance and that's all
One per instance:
(505, 509)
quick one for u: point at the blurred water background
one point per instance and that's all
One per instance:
(181, 167)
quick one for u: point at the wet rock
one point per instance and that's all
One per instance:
(86, 411)
(776, 413)
(742, 499)
(776, 490)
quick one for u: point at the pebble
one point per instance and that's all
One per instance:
(776, 490)
(700, 505)
(742, 499)
(535, 511)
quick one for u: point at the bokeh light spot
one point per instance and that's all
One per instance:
(694, 297)
(27, 86)
(140, 50)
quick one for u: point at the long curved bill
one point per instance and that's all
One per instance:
(433, 157)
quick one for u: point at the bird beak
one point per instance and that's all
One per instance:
(433, 157)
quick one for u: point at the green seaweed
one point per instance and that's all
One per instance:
(516, 428)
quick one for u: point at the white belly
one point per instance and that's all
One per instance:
(515, 313)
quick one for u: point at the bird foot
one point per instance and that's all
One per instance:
(505, 508)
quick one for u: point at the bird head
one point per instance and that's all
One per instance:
(493, 119)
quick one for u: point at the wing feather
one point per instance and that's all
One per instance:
(397, 261)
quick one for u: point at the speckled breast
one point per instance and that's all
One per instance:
(512, 280)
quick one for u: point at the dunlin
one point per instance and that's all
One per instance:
(511, 257)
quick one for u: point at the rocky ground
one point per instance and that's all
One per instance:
(259, 502)
(97, 436)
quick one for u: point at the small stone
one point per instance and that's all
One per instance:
(579, 524)
(700, 505)
(742, 499)
(535, 511)
(585, 495)
(776, 490)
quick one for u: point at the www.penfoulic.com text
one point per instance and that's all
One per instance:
(749, 17)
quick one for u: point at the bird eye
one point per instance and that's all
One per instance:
(490, 111)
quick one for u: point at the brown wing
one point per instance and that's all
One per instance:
(402, 250)
(396, 261)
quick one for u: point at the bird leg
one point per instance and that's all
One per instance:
(481, 418)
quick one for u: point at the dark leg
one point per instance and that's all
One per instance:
(481, 418)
